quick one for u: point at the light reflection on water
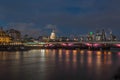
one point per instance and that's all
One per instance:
(89, 58)
(62, 64)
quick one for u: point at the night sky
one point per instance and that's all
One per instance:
(67, 16)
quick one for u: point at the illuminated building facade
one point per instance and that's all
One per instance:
(53, 35)
(90, 36)
(112, 37)
(4, 38)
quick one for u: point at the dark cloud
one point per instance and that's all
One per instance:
(67, 15)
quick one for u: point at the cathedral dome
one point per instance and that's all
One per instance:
(53, 35)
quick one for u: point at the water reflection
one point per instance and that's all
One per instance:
(9, 55)
(46, 63)
(82, 56)
(42, 51)
(105, 57)
(74, 56)
(60, 53)
(82, 52)
(17, 55)
(119, 53)
(89, 58)
(67, 55)
(98, 62)
(109, 57)
(2, 55)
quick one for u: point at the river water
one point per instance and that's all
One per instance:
(51, 64)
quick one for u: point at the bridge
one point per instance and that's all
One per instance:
(99, 42)
(81, 44)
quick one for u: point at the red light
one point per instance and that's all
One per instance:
(64, 44)
(118, 45)
(88, 44)
(96, 45)
(70, 44)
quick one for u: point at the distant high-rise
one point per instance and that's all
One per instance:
(98, 36)
(103, 35)
(112, 37)
(53, 35)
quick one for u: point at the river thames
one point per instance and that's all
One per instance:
(51, 64)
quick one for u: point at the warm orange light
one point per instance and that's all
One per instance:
(60, 51)
(109, 53)
(82, 51)
(98, 53)
(98, 61)
(105, 53)
(74, 51)
(46, 51)
(67, 51)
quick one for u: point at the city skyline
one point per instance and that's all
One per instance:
(53, 31)
(99, 35)
(78, 16)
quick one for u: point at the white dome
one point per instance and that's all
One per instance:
(52, 36)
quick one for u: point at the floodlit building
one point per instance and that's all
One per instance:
(53, 35)
(98, 36)
(4, 37)
(112, 37)
(90, 36)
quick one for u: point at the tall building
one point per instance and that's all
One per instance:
(98, 36)
(53, 35)
(103, 35)
(112, 37)
(90, 36)
(4, 37)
